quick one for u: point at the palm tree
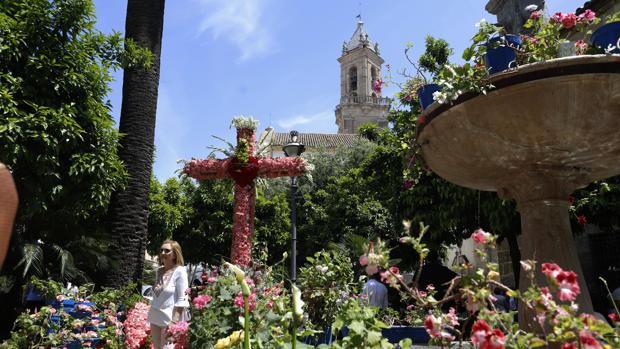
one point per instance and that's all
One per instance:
(128, 212)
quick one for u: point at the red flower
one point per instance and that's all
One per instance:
(568, 346)
(557, 17)
(479, 331)
(551, 269)
(494, 340)
(421, 120)
(587, 341)
(581, 219)
(569, 288)
(571, 199)
(535, 15)
(614, 317)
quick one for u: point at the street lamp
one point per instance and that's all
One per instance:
(293, 148)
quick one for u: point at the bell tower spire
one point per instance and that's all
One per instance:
(360, 83)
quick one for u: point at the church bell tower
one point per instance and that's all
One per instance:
(360, 68)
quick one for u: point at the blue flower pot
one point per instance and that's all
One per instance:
(425, 94)
(500, 58)
(606, 35)
(418, 335)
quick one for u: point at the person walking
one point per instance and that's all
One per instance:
(170, 302)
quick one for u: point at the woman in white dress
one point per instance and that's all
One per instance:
(169, 298)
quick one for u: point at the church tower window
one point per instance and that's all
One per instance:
(353, 79)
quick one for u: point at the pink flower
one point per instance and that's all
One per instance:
(60, 298)
(569, 20)
(569, 288)
(137, 328)
(452, 318)
(614, 317)
(568, 346)
(480, 236)
(535, 15)
(371, 269)
(551, 269)
(211, 279)
(581, 47)
(587, 341)
(251, 301)
(557, 17)
(178, 334)
(363, 260)
(391, 276)
(434, 326)
(587, 16)
(581, 219)
(201, 301)
(376, 85)
(407, 98)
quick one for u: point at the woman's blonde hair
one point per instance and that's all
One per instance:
(178, 253)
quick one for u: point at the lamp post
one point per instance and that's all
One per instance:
(293, 148)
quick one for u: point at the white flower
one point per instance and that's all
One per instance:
(322, 268)
(609, 48)
(482, 21)
(440, 97)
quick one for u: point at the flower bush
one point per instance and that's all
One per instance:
(326, 281)
(550, 309)
(218, 310)
(76, 317)
(546, 39)
(137, 327)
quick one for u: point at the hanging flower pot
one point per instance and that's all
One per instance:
(425, 94)
(243, 173)
(504, 56)
(607, 36)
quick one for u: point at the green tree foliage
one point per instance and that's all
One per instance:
(199, 216)
(57, 134)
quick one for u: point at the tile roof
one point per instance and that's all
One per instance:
(316, 140)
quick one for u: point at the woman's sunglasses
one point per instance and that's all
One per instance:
(165, 250)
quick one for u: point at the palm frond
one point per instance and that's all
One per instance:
(6, 284)
(67, 266)
(32, 257)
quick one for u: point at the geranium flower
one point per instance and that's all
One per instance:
(363, 260)
(587, 16)
(568, 346)
(535, 15)
(569, 20)
(551, 269)
(569, 288)
(480, 236)
(479, 331)
(588, 341)
(201, 301)
(581, 219)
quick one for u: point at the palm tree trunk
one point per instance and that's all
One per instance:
(128, 211)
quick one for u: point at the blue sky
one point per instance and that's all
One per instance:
(276, 60)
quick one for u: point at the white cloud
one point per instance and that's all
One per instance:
(317, 120)
(239, 21)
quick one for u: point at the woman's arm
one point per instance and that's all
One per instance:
(180, 298)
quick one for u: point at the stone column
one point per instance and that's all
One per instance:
(542, 201)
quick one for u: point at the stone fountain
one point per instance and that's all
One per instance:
(546, 130)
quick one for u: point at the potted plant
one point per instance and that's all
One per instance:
(432, 61)
(607, 37)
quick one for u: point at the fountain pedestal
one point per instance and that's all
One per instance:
(546, 130)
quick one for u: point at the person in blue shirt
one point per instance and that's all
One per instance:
(376, 292)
